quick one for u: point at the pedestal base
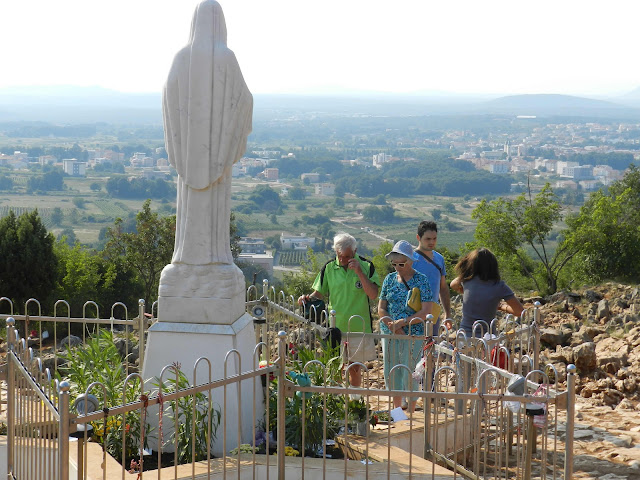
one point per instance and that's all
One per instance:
(207, 294)
(185, 343)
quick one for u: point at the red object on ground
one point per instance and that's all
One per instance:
(498, 359)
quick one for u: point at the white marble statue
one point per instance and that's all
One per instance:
(201, 307)
(207, 111)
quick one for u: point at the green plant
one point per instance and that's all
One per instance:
(313, 405)
(99, 360)
(358, 410)
(196, 418)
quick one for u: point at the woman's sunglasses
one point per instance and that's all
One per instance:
(398, 265)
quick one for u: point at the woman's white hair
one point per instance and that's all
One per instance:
(343, 241)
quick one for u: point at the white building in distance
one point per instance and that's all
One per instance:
(73, 167)
(325, 189)
(380, 158)
(296, 242)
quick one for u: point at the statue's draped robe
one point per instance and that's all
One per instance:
(207, 111)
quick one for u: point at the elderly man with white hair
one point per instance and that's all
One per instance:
(349, 281)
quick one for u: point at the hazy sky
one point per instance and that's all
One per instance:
(459, 46)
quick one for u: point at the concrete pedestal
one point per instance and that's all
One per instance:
(185, 343)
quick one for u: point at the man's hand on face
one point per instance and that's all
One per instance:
(354, 265)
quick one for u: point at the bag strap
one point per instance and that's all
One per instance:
(405, 283)
(372, 268)
(322, 270)
(429, 260)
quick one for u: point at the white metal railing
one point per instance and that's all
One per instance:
(465, 424)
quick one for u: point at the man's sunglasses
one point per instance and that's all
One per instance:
(398, 265)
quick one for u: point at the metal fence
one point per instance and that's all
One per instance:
(470, 420)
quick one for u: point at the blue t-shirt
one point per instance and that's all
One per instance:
(396, 296)
(425, 267)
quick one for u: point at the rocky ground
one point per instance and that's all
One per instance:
(598, 330)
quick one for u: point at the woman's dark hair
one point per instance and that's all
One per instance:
(480, 262)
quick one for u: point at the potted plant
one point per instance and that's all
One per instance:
(358, 410)
(315, 405)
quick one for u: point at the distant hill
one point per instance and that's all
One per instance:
(631, 99)
(74, 95)
(633, 94)
(72, 104)
(553, 104)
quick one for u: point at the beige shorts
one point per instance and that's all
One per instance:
(362, 348)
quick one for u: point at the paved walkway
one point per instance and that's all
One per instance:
(3, 460)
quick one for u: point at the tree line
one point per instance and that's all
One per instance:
(600, 242)
(137, 187)
(35, 265)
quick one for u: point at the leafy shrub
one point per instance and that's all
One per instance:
(195, 416)
(315, 404)
(99, 361)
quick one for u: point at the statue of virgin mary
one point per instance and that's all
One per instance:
(207, 110)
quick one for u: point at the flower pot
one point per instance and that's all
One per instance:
(362, 428)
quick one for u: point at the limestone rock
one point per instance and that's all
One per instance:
(624, 441)
(630, 385)
(620, 304)
(561, 370)
(579, 338)
(592, 330)
(612, 397)
(561, 354)
(124, 346)
(625, 404)
(603, 310)
(533, 300)
(553, 337)
(49, 361)
(584, 357)
(71, 341)
(588, 391)
(612, 354)
(592, 296)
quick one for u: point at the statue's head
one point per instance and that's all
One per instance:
(208, 24)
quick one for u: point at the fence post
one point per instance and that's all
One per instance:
(63, 430)
(427, 385)
(11, 341)
(536, 336)
(571, 410)
(281, 420)
(141, 331)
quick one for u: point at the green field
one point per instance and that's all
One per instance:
(88, 211)
(84, 210)
(409, 212)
